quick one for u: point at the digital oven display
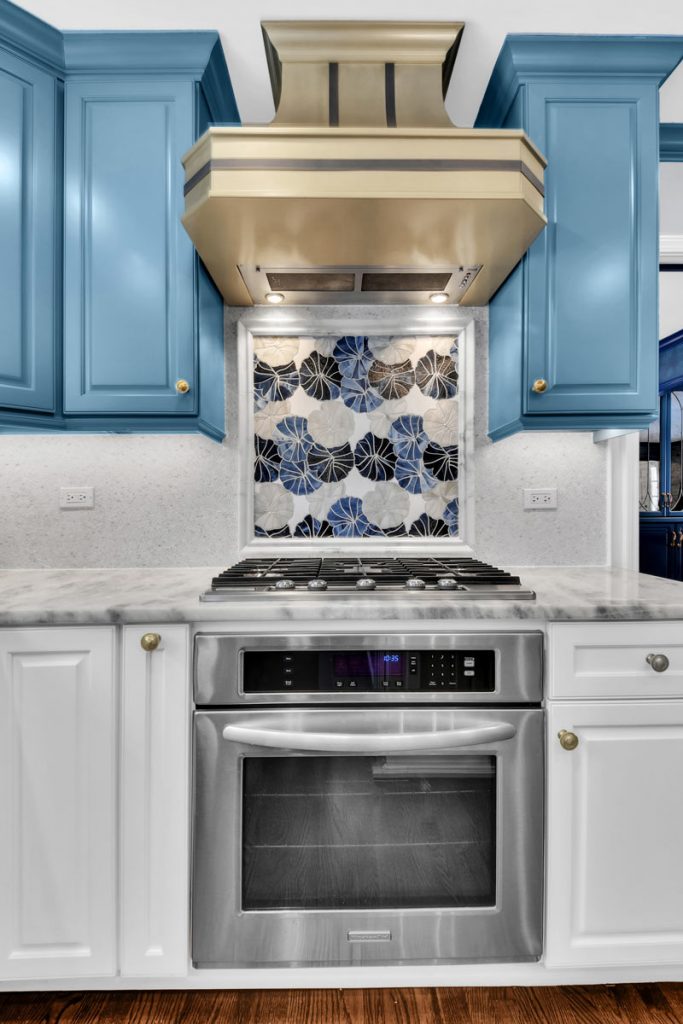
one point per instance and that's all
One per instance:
(368, 665)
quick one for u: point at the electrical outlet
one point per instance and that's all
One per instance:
(76, 497)
(540, 497)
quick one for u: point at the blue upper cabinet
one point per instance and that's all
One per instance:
(573, 330)
(143, 329)
(30, 181)
(108, 319)
(129, 318)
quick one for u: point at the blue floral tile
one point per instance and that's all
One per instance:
(347, 420)
(408, 436)
(358, 395)
(425, 526)
(441, 462)
(292, 438)
(331, 464)
(266, 461)
(275, 383)
(320, 377)
(347, 518)
(375, 457)
(353, 357)
(297, 478)
(283, 531)
(413, 477)
(311, 527)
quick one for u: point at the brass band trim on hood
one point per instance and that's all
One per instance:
(223, 164)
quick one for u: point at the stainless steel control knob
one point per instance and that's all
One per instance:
(316, 585)
(365, 583)
(285, 585)
(447, 583)
(415, 583)
(658, 662)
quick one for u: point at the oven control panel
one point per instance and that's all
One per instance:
(433, 671)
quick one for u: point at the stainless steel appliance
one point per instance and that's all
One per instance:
(367, 798)
(453, 578)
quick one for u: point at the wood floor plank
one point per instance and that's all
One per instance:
(617, 1004)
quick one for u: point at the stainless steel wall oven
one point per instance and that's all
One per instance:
(367, 799)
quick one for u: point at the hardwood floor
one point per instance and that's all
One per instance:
(618, 1004)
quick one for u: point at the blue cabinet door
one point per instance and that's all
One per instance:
(592, 274)
(661, 548)
(129, 271)
(29, 182)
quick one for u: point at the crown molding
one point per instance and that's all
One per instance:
(28, 36)
(525, 57)
(671, 143)
(146, 53)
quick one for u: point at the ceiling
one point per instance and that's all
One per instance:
(487, 22)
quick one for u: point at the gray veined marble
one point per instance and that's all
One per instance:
(108, 596)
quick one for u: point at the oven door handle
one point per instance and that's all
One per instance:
(471, 735)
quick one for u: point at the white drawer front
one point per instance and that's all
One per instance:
(609, 659)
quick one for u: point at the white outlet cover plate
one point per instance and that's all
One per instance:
(76, 497)
(540, 498)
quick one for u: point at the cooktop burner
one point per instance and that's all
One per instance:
(452, 577)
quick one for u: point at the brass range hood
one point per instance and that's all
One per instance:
(361, 189)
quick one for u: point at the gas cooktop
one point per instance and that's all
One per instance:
(451, 577)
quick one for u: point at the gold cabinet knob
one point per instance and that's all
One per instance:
(658, 662)
(150, 641)
(539, 386)
(568, 740)
(182, 387)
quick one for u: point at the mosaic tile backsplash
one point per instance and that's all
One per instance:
(356, 436)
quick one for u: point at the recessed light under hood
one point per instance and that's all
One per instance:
(361, 190)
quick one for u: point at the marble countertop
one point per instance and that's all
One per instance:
(38, 597)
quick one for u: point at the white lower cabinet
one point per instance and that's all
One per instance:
(155, 725)
(57, 803)
(615, 834)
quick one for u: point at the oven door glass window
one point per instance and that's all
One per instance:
(344, 833)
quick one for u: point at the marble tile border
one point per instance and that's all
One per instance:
(377, 320)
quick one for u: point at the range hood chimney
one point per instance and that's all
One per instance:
(361, 190)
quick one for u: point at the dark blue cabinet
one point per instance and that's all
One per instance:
(111, 321)
(29, 240)
(579, 314)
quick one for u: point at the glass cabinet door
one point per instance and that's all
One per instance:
(651, 464)
(675, 452)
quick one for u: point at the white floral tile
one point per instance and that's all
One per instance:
(356, 436)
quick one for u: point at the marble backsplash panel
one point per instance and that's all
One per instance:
(356, 436)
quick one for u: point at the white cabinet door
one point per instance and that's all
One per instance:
(615, 834)
(155, 803)
(57, 803)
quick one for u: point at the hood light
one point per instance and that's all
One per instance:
(275, 298)
(438, 297)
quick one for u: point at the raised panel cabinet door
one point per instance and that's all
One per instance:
(129, 268)
(615, 834)
(57, 803)
(28, 240)
(155, 785)
(656, 547)
(592, 274)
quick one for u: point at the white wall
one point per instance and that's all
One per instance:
(487, 22)
(171, 500)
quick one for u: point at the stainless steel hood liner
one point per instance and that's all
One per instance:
(361, 180)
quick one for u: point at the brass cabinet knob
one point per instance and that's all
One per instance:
(150, 641)
(568, 740)
(658, 662)
(182, 387)
(539, 386)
